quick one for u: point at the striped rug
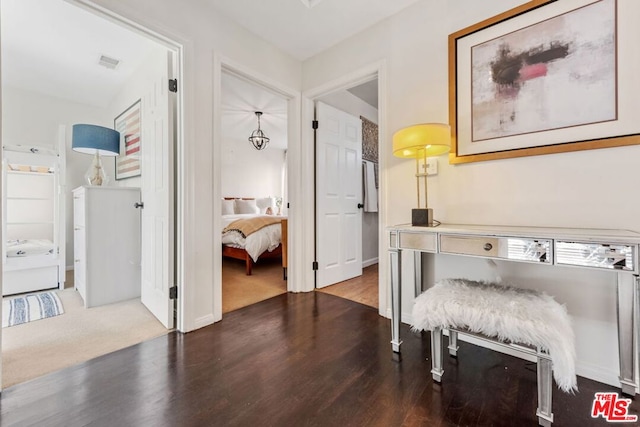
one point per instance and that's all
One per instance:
(28, 308)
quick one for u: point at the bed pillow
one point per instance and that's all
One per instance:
(228, 207)
(246, 207)
(265, 203)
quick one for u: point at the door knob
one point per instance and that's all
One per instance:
(138, 205)
(360, 206)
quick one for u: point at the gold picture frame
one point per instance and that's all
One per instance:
(618, 128)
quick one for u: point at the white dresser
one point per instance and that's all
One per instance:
(106, 239)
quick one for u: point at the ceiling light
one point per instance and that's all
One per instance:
(110, 63)
(258, 138)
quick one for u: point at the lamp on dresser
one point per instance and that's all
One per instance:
(420, 142)
(99, 141)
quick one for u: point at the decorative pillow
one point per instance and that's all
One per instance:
(265, 203)
(228, 207)
(246, 207)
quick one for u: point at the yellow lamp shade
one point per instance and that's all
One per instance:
(423, 140)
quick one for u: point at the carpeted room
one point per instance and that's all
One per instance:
(77, 334)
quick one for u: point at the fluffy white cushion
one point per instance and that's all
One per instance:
(508, 313)
(265, 203)
(246, 207)
(228, 207)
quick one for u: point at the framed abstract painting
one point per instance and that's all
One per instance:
(128, 162)
(545, 77)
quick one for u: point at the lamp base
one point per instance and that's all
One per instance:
(96, 175)
(422, 217)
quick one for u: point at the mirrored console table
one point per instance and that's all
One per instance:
(611, 250)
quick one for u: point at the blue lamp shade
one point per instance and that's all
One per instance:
(92, 139)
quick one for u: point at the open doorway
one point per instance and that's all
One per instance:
(358, 241)
(64, 65)
(255, 192)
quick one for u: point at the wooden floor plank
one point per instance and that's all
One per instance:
(293, 360)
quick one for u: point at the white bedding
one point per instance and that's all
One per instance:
(28, 247)
(265, 239)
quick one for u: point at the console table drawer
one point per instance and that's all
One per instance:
(517, 249)
(597, 255)
(420, 242)
(470, 245)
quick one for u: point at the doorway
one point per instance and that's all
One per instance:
(355, 275)
(255, 192)
(373, 72)
(292, 185)
(27, 88)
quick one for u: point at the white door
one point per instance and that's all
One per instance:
(157, 195)
(338, 194)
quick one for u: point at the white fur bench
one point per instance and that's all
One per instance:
(527, 321)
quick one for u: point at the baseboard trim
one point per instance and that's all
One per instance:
(203, 321)
(369, 262)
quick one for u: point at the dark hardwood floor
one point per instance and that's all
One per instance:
(293, 360)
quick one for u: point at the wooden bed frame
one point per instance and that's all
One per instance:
(241, 254)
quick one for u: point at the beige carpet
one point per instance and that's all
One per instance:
(36, 348)
(240, 290)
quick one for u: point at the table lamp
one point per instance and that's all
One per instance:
(99, 141)
(419, 142)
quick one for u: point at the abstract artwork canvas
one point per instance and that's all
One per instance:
(557, 73)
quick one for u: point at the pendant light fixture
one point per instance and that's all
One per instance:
(258, 138)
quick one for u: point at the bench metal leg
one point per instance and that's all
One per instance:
(453, 343)
(436, 354)
(545, 384)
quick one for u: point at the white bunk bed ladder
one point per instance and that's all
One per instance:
(33, 208)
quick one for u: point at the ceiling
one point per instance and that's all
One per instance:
(241, 99)
(368, 92)
(53, 47)
(304, 31)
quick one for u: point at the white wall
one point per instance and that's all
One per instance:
(561, 190)
(247, 172)
(32, 118)
(349, 103)
(204, 32)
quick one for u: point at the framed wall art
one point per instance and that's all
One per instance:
(128, 163)
(545, 77)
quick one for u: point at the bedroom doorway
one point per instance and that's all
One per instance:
(26, 88)
(254, 187)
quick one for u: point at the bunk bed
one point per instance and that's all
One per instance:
(33, 219)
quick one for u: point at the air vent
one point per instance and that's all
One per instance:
(310, 3)
(108, 62)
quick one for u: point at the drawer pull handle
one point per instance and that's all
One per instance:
(487, 246)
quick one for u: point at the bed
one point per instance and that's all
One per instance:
(252, 236)
(33, 220)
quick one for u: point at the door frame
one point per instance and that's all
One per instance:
(183, 275)
(362, 75)
(295, 194)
